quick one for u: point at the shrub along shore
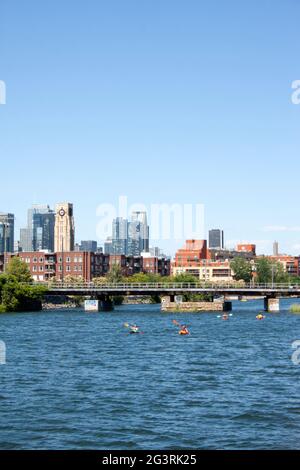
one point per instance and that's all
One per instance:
(17, 292)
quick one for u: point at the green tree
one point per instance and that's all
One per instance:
(16, 296)
(263, 271)
(268, 270)
(242, 269)
(115, 274)
(185, 278)
(17, 268)
(281, 276)
(17, 292)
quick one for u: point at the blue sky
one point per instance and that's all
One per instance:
(164, 101)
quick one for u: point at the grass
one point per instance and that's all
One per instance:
(295, 308)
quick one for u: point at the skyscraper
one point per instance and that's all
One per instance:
(7, 230)
(43, 231)
(88, 245)
(119, 236)
(64, 230)
(275, 248)
(39, 233)
(216, 239)
(108, 246)
(138, 234)
(26, 239)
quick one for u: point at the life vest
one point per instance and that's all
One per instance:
(183, 332)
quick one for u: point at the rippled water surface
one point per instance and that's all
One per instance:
(78, 380)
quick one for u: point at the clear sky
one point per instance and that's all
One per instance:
(164, 101)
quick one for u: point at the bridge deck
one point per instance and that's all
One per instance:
(265, 290)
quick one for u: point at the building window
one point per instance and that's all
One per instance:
(68, 268)
(35, 260)
(68, 259)
(41, 268)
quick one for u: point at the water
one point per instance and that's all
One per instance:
(78, 380)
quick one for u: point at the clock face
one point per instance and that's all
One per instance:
(62, 212)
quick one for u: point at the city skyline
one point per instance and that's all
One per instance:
(165, 108)
(120, 238)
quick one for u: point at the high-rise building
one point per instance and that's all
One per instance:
(39, 233)
(119, 236)
(7, 230)
(275, 248)
(216, 239)
(43, 231)
(88, 245)
(108, 246)
(26, 239)
(138, 234)
(64, 230)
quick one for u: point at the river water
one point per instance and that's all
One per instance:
(74, 380)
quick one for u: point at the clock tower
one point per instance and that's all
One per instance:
(64, 227)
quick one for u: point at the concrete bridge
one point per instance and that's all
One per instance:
(104, 292)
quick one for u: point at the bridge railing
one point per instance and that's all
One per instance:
(166, 286)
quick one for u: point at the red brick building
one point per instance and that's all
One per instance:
(44, 266)
(246, 248)
(193, 252)
(291, 264)
(141, 264)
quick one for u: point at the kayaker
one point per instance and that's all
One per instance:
(134, 328)
(225, 316)
(260, 316)
(184, 330)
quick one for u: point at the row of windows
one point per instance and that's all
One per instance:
(68, 268)
(51, 260)
(47, 268)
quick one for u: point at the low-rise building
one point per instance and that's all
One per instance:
(191, 254)
(291, 264)
(86, 265)
(209, 271)
(246, 248)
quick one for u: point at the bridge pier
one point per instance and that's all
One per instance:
(272, 304)
(177, 305)
(101, 304)
(105, 303)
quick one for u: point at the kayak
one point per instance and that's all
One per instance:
(260, 317)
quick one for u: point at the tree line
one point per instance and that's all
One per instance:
(17, 291)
